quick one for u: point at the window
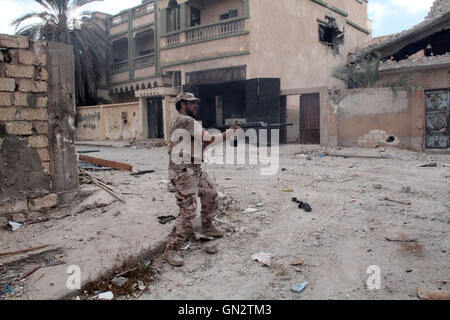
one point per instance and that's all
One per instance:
(195, 17)
(229, 15)
(150, 7)
(173, 16)
(117, 20)
(330, 34)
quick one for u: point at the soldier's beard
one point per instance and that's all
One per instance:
(190, 113)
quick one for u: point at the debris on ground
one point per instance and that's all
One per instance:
(14, 225)
(141, 172)
(212, 249)
(377, 186)
(302, 205)
(87, 151)
(166, 219)
(433, 295)
(299, 287)
(199, 236)
(400, 240)
(107, 163)
(398, 201)
(22, 251)
(250, 210)
(287, 190)
(428, 165)
(263, 257)
(106, 296)
(138, 274)
(406, 189)
(297, 262)
(96, 180)
(119, 281)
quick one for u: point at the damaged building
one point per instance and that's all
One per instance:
(37, 112)
(416, 62)
(243, 58)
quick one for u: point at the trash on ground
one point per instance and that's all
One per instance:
(141, 172)
(302, 205)
(199, 236)
(106, 163)
(406, 189)
(433, 295)
(263, 257)
(401, 240)
(427, 165)
(165, 219)
(287, 190)
(398, 201)
(5, 288)
(212, 249)
(14, 225)
(297, 262)
(106, 295)
(250, 210)
(87, 151)
(22, 251)
(299, 287)
(317, 244)
(119, 281)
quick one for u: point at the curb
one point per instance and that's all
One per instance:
(145, 254)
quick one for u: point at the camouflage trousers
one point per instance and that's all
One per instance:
(189, 183)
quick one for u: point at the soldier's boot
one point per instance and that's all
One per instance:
(172, 257)
(211, 230)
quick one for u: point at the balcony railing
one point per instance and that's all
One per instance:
(210, 31)
(144, 61)
(173, 39)
(215, 30)
(119, 67)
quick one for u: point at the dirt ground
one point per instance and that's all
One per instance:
(345, 233)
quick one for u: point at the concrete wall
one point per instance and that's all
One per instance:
(104, 122)
(211, 10)
(37, 157)
(284, 41)
(368, 117)
(430, 78)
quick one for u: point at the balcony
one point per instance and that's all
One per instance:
(119, 67)
(211, 31)
(144, 61)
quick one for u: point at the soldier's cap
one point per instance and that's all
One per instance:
(186, 96)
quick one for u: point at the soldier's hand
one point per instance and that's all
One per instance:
(234, 126)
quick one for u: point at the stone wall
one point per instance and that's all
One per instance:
(36, 127)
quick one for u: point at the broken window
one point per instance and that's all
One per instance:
(330, 34)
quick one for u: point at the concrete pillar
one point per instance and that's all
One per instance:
(143, 125)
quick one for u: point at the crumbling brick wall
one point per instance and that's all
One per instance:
(36, 126)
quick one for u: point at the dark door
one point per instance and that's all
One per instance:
(262, 100)
(437, 119)
(155, 118)
(310, 118)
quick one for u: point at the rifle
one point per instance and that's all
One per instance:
(258, 125)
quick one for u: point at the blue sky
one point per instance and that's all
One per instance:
(388, 16)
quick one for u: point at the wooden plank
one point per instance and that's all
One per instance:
(107, 163)
(22, 251)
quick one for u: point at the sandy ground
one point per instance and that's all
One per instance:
(343, 235)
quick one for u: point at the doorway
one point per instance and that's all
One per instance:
(310, 118)
(155, 118)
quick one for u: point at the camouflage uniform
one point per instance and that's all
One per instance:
(189, 181)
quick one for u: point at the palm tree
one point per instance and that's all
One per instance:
(60, 21)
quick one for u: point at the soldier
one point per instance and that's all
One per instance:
(189, 179)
